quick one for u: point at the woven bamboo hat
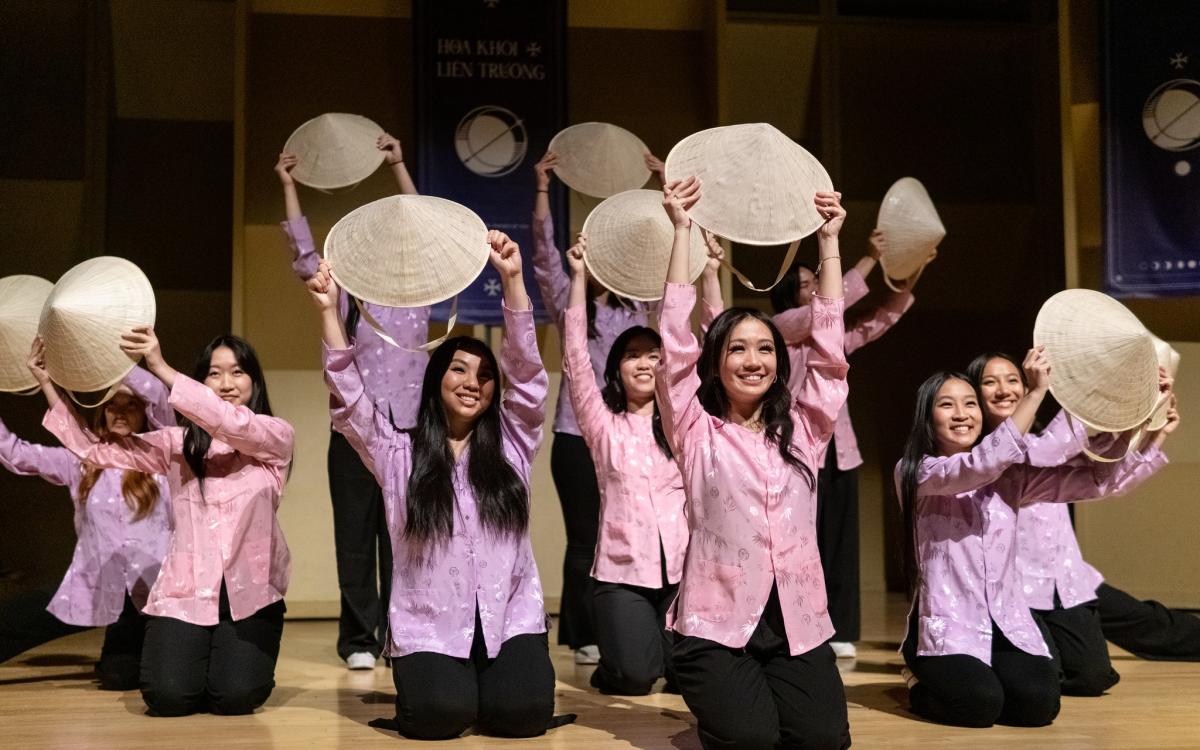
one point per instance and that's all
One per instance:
(758, 184)
(407, 250)
(1168, 359)
(83, 319)
(21, 300)
(335, 150)
(629, 245)
(1103, 369)
(600, 159)
(910, 226)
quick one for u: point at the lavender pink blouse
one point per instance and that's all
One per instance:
(965, 527)
(436, 590)
(392, 376)
(114, 553)
(752, 516)
(641, 492)
(227, 532)
(1048, 554)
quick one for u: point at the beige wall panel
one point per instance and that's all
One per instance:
(1146, 543)
(280, 319)
(771, 69)
(173, 60)
(41, 222)
(1089, 210)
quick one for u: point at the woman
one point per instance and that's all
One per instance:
(751, 628)
(122, 526)
(1056, 582)
(392, 375)
(975, 654)
(467, 631)
(216, 609)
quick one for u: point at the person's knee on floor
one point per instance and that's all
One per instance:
(1032, 703)
(238, 700)
(627, 679)
(438, 714)
(173, 696)
(516, 714)
(972, 704)
(121, 672)
(1091, 681)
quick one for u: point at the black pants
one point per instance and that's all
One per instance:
(759, 696)
(1077, 647)
(363, 550)
(227, 668)
(439, 697)
(25, 624)
(575, 480)
(1018, 689)
(635, 647)
(1146, 628)
(837, 541)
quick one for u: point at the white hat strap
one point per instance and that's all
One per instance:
(427, 346)
(783, 269)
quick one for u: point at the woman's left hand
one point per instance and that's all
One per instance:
(829, 205)
(142, 343)
(505, 254)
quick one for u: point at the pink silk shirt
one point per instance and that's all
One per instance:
(966, 529)
(436, 590)
(114, 554)
(230, 531)
(391, 375)
(1048, 554)
(555, 286)
(752, 516)
(641, 492)
(796, 325)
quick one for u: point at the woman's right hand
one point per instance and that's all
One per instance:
(323, 288)
(37, 362)
(575, 257)
(284, 167)
(678, 197)
(543, 169)
(1037, 369)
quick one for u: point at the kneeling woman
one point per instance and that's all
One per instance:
(217, 606)
(467, 631)
(975, 654)
(751, 624)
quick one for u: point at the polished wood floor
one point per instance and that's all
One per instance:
(48, 700)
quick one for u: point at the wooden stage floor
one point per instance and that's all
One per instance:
(48, 700)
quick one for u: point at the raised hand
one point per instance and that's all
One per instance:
(388, 144)
(142, 343)
(322, 288)
(876, 244)
(284, 167)
(716, 253)
(1172, 417)
(37, 362)
(656, 165)
(678, 197)
(1037, 369)
(575, 257)
(829, 205)
(505, 254)
(543, 168)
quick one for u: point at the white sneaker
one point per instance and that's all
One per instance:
(360, 660)
(910, 679)
(587, 655)
(843, 649)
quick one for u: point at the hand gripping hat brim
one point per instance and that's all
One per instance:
(1168, 359)
(84, 317)
(600, 159)
(758, 185)
(910, 226)
(21, 301)
(335, 150)
(629, 240)
(1103, 368)
(407, 250)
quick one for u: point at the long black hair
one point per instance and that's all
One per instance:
(613, 391)
(777, 401)
(196, 440)
(783, 294)
(922, 442)
(502, 498)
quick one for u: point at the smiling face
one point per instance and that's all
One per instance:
(468, 386)
(748, 363)
(1001, 387)
(227, 379)
(124, 414)
(957, 419)
(637, 369)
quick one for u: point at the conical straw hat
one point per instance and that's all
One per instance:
(600, 159)
(758, 184)
(407, 250)
(83, 319)
(335, 150)
(1103, 369)
(910, 226)
(629, 240)
(1168, 359)
(21, 300)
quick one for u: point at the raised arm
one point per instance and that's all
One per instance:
(548, 270)
(295, 227)
(395, 159)
(153, 393)
(982, 465)
(55, 465)
(149, 452)
(590, 410)
(264, 438)
(796, 324)
(878, 322)
(710, 283)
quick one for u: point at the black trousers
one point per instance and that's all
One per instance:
(837, 541)
(25, 624)
(363, 550)
(635, 647)
(1146, 628)
(439, 697)
(227, 668)
(1077, 647)
(759, 696)
(1018, 689)
(575, 480)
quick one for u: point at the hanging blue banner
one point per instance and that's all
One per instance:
(1151, 110)
(490, 94)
